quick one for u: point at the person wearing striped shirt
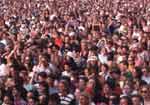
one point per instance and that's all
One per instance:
(66, 98)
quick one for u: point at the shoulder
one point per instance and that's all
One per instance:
(71, 96)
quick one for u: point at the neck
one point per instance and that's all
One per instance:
(147, 99)
(64, 93)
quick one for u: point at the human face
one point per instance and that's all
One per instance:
(130, 61)
(15, 92)
(134, 73)
(62, 88)
(41, 89)
(42, 99)
(124, 102)
(7, 100)
(44, 62)
(126, 89)
(66, 67)
(83, 45)
(91, 83)
(136, 101)
(145, 92)
(27, 60)
(103, 51)
(106, 89)
(144, 71)
(31, 101)
(82, 84)
(83, 100)
(103, 68)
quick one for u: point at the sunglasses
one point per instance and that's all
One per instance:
(144, 91)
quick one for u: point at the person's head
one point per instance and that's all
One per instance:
(115, 72)
(92, 60)
(27, 60)
(104, 67)
(123, 66)
(84, 44)
(145, 71)
(67, 67)
(16, 92)
(9, 83)
(106, 88)
(124, 100)
(67, 39)
(31, 101)
(84, 99)
(87, 72)
(145, 92)
(24, 75)
(30, 94)
(43, 61)
(103, 51)
(42, 76)
(91, 83)
(43, 88)
(50, 80)
(7, 100)
(82, 83)
(136, 72)
(63, 87)
(43, 99)
(54, 99)
(127, 88)
(113, 99)
(124, 50)
(12, 71)
(136, 99)
(130, 61)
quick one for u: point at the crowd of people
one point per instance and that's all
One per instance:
(74, 52)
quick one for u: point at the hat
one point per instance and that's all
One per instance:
(81, 28)
(92, 58)
(2, 45)
(42, 74)
(82, 77)
(52, 17)
(120, 59)
(70, 54)
(60, 30)
(72, 34)
(134, 46)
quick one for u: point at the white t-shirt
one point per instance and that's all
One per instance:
(3, 70)
(146, 79)
(102, 58)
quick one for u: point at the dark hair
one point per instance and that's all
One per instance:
(138, 96)
(65, 83)
(105, 65)
(54, 98)
(126, 98)
(42, 74)
(124, 63)
(44, 84)
(139, 72)
(8, 97)
(115, 99)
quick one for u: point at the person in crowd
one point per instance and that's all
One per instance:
(125, 100)
(74, 52)
(144, 92)
(66, 98)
